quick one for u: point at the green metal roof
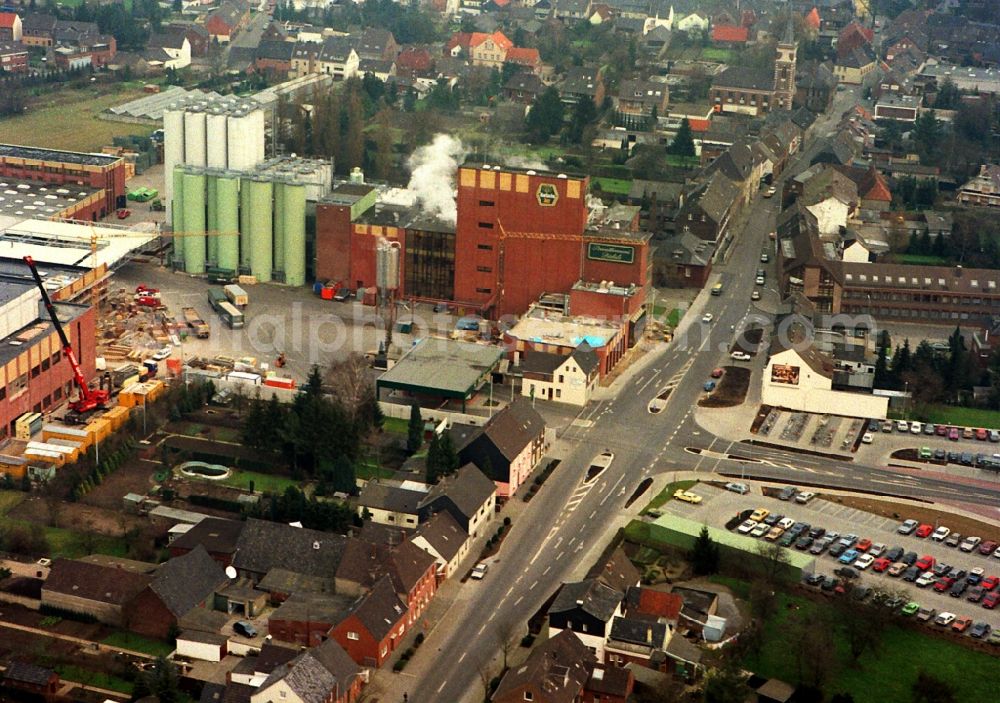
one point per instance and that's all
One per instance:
(442, 367)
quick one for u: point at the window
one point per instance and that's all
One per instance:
(283, 694)
(529, 696)
(486, 225)
(35, 370)
(558, 393)
(562, 379)
(484, 247)
(484, 290)
(486, 203)
(353, 636)
(484, 269)
(45, 364)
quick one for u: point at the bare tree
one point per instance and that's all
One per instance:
(53, 504)
(348, 381)
(863, 622)
(772, 564)
(507, 637)
(811, 638)
(485, 678)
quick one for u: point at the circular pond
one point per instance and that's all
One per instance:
(199, 469)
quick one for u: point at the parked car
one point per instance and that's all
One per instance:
(916, 428)
(786, 523)
(897, 569)
(737, 487)
(836, 550)
(910, 608)
(820, 546)
(925, 453)
(976, 594)
(953, 434)
(929, 429)
(975, 576)
(772, 520)
(970, 543)
(849, 557)
(988, 547)
(709, 386)
(804, 543)
(759, 531)
(907, 527)
(787, 493)
(944, 584)
(940, 455)
(925, 579)
(864, 561)
(746, 527)
(958, 588)
(924, 563)
(894, 553)
(479, 571)
(911, 574)
(880, 565)
(863, 545)
(953, 540)
(740, 356)
(902, 426)
(990, 600)
(989, 583)
(688, 497)
(867, 438)
(979, 630)
(925, 614)
(941, 430)
(774, 533)
(961, 624)
(982, 435)
(804, 497)
(717, 373)
(923, 530)
(245, 628)
(944, 619)
(910, 558)
(759, 514)
(877, 549)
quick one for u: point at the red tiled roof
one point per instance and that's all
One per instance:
(855, 28)
(414, 59)
(730, 33)
(657, 603)
(812, 19)
(874, 187)
(498, 37)
(523, 55)
(7, 19)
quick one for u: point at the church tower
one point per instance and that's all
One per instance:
(784, 71)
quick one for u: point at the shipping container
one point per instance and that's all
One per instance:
(237, 296)
(216, 297)
(232, 317)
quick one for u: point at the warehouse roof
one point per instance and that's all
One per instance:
(14, 151)
(543, 327)
(442, 367)
(34, 199)
(67, 243)
(313, 607)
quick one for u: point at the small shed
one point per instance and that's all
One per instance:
(205, 646)
(132, 502)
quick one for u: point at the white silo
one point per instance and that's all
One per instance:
(173, 150)
(240, 139)
(195, 145)
(218, 144)
(257, 127)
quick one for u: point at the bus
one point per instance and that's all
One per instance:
(216, 296)
(232, 317)
(717, 289)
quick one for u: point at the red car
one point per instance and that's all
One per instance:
(924, 530)
(944, 584)
(880, 565)
(123, 213)
(989, 583)
(925, 563)
(717, 373)
(991, 599)
(982, 435)
(941, 430)
(864, 545)
(987, 548)
(962, 624)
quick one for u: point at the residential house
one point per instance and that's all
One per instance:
(304, 58)
(682, 261)
(414, 576)
(178, 586)
(659, 201)
(337, 58)
(468, 495)
(903, 108)
(644, 99)
(731, 36)
(583, 82)
(197, 36)
(170, 48)
(304, 619)
(322, 674)
(72, 32)
(574, 10)
(615, 570)
(854, 36)
(816, 86)
(708, 210)
(274, 58)
(264, 545)
(586, 608)
(507, 448)
(857, 67)
(376, 44)
(637, 641)
(480, 48)
(38, 29)
(831, 197)
(445, 540)
(872, 187)
(94, 590)
(226, 22)
(375, 625)
(390, 504)
(414, 62)
(217, 535)
(11, 27)
(523, 88)
(694, 23)
(739, 164)
(527, 58)
(35, 680)
(556, 671)
(13, 57)
(381, 69)
(564, 379)
(656, 40)
(983, 189)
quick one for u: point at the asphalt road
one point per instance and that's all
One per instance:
(569, 517)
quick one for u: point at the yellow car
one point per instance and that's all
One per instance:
(687, 497)
(759, 514)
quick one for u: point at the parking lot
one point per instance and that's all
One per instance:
(833, 434)
(884, 444)
(719, 506)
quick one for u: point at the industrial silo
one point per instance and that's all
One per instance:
(246, 215)
(194, 223)
(211, 220)
(257, 127)
(177, 181)
(194, 139)
(228, 221)
(295, 234)
(218, 144)
(241, 135)
(261, 231)
(173, 151)
(279, 226)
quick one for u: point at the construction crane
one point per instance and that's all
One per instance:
(90, 399)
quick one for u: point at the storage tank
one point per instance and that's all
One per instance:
(246, 213)
(173, 150)
(218, 145)
(194, 139)
(261, 231)
(257, 134)
(295, 234)
(245, 138)
(279, 226)
(211, 220)
(228, 221)
(178, 211)
(194, 223)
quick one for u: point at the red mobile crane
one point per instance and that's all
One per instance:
(90, 399)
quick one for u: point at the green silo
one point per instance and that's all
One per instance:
(261, 230)
(211, 220)
(279, 226)
(295, 234)
(177, 213)
(246, 215)
(228, 209)
(194, 223)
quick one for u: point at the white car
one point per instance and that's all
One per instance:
(944, 619)
(804, 497)
(786, 523)
(997, 553)
(978, 571)
(479, 571)
(163, 353)
(755, 295)
(707, 317)
(864, 561)
(762, 529)
(941, 534)
(970, 543)
(916, 428)
(759, 281)
(902, 426)
(746, 527)
(877, 549)
(740, 356)
(867, 438)
(926, 579)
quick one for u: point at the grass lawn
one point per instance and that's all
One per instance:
(261, 482)
(920, 259)
(71, 672)
(138, 643)
(615, 186)
(902, 654)
(963, 417)
(396, 425)
(710, 53)
(45, 123)
(73, 545)
(10, 500)
(367, 469)
(674, 318)
(667, 493)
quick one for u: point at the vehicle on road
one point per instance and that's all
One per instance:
(769, 193)
(717, 289)
(717, 373)
(688, 497)
(479, 571)
(755, 295)
(707, 317)
(709, 386)
(759, 281)
(740, 356)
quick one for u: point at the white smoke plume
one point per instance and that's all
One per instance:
(522, 162)
(432, 176)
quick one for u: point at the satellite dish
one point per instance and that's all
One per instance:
(230, 572)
